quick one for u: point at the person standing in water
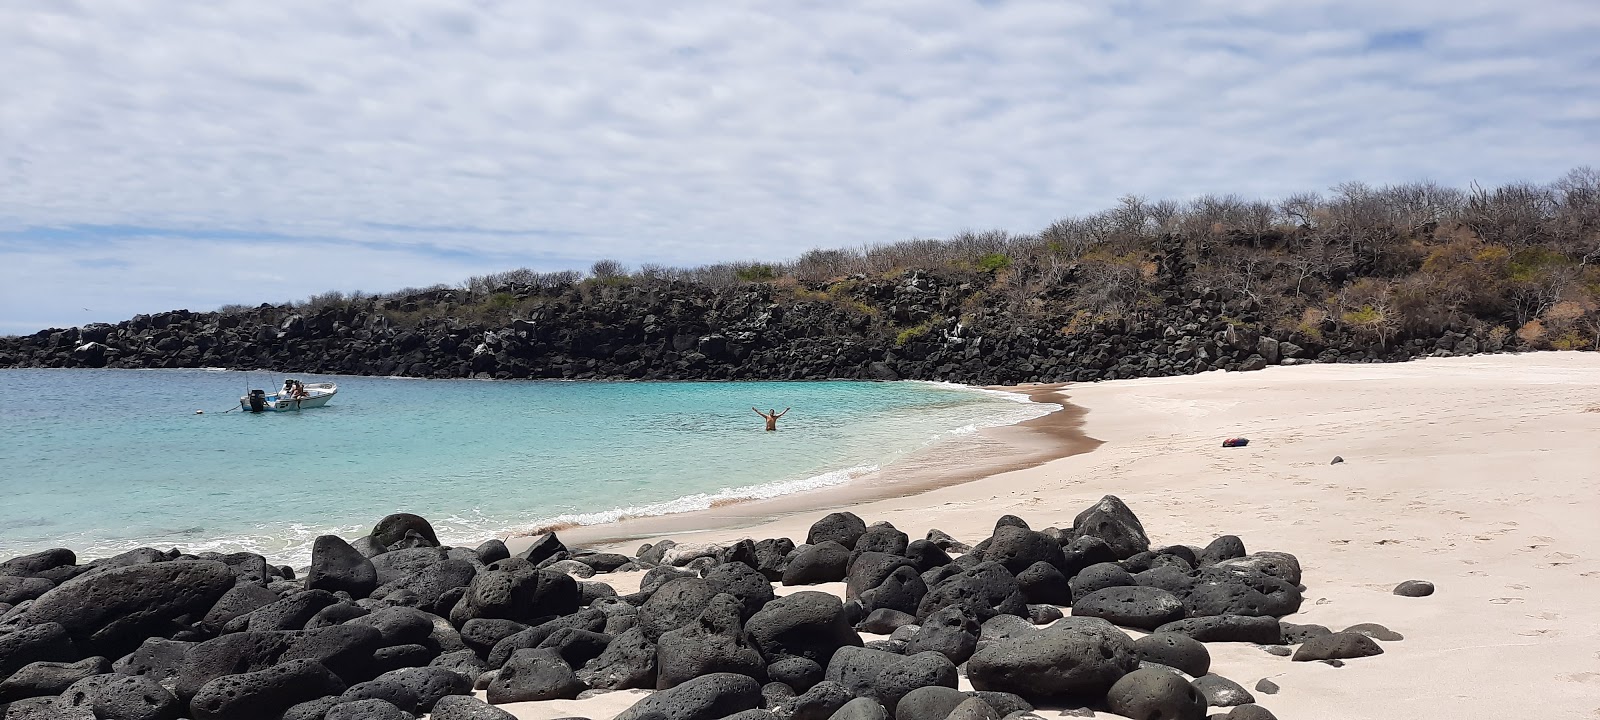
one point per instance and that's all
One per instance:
(772, 417)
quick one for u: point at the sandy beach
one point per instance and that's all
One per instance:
(1480, 474)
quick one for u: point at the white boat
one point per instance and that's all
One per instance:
(315, 395)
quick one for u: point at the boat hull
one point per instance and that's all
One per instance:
(320, 394)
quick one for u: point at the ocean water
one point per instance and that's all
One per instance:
(102, 461)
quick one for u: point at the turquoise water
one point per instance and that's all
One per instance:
(105, 460)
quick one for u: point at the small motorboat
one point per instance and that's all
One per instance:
(295, 395)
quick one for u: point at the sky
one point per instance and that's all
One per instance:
(158, 155)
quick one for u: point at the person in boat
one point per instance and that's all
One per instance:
(294, 390)
(772, 416)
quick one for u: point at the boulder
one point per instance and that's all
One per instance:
(945, 542)
(1226, 547)
(675, 605)
(1414, 588)
(1043, 583)
(545, 547)
(1374, 631)
(1074, 657)
(1222, 692)
(868, 569)
(311, 709)
(743, 582)
(466, 707)
(534, 674)
(429, 684)
(44, 708)
(49, 678)
(823, 562)
(482, 634)
(974, 708)
(393, 528)
(1234, 591)
(1228, 628)
(397, 625)
(629, 661)
(840, 527)
(1044, 614)
(1148, 693)
(1337, 646)
(1017, 548)
(1280, 565)
(1145, 608)
(820, 702)
(1248, 712)
(393, 693)
(884, 621)
(395, 564)
(886, 677)
(577, 646)
(591, 619)
(902, 591)
(932, 702)
(338, 567)
(32, 564)
(1083, 551)
(109, 612)
(708, 697)
(264, 694)
(861, 708)
(521, 593)
(883, 538)
(242, 599)
(1111, 521)
(949, 632)
(800, 674)
(14, 590)
(47, 642)
(806, 624)
(1176, 651)
(290, 613)
(772, 557)
(983, 591)
(369, 709)
(714, 643)
(1099, 577)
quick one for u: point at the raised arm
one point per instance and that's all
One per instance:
(785, 412)
(758, 412)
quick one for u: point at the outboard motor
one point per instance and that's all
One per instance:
(258, 400)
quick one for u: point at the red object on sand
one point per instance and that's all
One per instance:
(1236, 442)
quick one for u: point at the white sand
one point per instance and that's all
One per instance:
(1481, 474)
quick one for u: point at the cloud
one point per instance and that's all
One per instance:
(526, 133)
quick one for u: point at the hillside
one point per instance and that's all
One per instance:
(1147, 288)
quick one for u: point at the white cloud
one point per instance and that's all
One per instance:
(686, 132)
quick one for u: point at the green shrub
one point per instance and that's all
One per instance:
(756, 273)
(994, 262)
(912, 333)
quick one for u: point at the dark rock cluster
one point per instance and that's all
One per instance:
(393, 625)
(919, 325)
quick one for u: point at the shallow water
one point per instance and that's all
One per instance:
(105, 460)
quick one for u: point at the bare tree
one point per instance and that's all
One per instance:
(608, 269)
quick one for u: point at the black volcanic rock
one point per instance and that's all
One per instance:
(109, 612)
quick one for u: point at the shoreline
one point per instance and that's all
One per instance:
(987, 453)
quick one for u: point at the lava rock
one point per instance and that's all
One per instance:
(861, 708)
(47, 642)
(44, 708)
(675, 605)
(429, 684)
(492, 551)
(714, 643)
(1295, 634)
(1266, 687)
(242, 599)
(1145, 608)
(1043, 583)
(465, 663)
(1226, 547)
(983, 591)
(290, 613)
(122, 697)
(482, 634)
(1414, 588)
(974, 708)
(884, 621)
(1147, 693)
(33, 564)
(397, 625)
(576, 646)
(521, 593)
(369, 709)
(806, 624)
(311, 709)
(1280, 565)
(708, 697)
(466, 707)
(338, 567)
(772, 557)
(629, 661)
(926, 555)
(1017, 548)
(544, 548)
(1099, 577)
(264, 694)
(49, 678)
(1228, 628)
(743, 582)
(949, 632)
(1222, 692)
(537, 674)
(1337, 646)
(1375, 631)
(1111, 521)
(396, 694)
(931, 702)
(591, 619)
(823, 562)
(14, 590)
(1074, 657)
(883, 538)
(903, 591)
(1174, 650)
(818, 703)
(840, 527)
(800, 674)
(945, 542)
(109, 612)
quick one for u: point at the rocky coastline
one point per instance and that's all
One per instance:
(916, 325)
(391, 626)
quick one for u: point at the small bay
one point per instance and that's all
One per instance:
(106, 460)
